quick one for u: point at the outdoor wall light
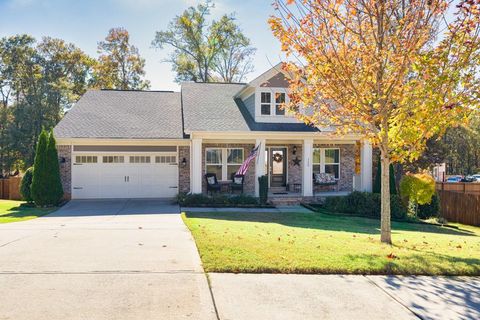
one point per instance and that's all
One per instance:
(294, 150)
(62, 160)
(184, 162)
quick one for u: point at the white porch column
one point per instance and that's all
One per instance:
(196, 166)
(366, 163)
(259, 164)
(307, 172)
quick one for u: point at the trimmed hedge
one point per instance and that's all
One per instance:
(365, 204)
(200, 200)
(430, 210)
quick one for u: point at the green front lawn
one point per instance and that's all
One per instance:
(13, 211)
(321, 243)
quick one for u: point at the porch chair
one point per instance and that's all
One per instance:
(237, 182)
(324, 179)
(212, 183)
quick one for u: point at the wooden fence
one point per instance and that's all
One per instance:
(10, 188)
(460, 202)
(463, 187)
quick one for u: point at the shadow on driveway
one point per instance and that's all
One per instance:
(326, 222)
(78, 208)
(435, 297)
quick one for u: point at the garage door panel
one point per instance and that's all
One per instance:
(124, 180)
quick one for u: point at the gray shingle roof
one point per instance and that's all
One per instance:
(124, 114)
(269, 126)
(211, 107)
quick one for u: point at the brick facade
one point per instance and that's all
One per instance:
(65, 152)
(294, 171)
(184, 171)
(249, 183)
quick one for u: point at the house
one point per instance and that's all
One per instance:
(439, 171)
(154, 144)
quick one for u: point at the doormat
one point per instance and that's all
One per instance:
(280, 193)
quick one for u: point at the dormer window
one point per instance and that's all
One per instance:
(266, 103)
(272, 102)
(279, 103)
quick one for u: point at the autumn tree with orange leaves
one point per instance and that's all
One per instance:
(395, 72)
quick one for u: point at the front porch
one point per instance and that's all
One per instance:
(289, 163)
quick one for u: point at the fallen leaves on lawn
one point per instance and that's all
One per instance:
(392, 256)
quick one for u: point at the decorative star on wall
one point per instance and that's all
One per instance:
(296, 161)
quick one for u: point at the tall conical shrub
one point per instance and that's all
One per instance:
(55, 190)
(26, 185)
(377, 185)
(40, 179)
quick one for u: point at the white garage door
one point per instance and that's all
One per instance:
(124, 176)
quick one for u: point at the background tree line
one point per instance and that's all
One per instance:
(459, 148)
(41, 79)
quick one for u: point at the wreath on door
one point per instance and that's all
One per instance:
(277, 157)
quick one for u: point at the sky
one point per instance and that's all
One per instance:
(85, 22)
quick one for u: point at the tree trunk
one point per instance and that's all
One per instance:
(386, 234)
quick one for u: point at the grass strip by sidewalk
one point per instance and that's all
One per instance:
(14, 211)
(321, 243)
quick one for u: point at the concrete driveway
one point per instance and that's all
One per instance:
(122, 259)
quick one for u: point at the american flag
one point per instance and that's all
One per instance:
(244, 167)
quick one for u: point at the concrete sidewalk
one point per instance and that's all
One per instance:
(304, 297)
(278, 209)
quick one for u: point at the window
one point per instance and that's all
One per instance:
(326, 160)
(113, 159)
(234, 161)
(139, 159)
(86, 159)
(223, 162)
(265, 103)
(273, 102)
(213, 161)
(332, 162)
(279, 103)
(166, 159)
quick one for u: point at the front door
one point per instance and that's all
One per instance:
(277, 167)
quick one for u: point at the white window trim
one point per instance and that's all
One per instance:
(323, 163)
(224, 163)
(272, 91)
